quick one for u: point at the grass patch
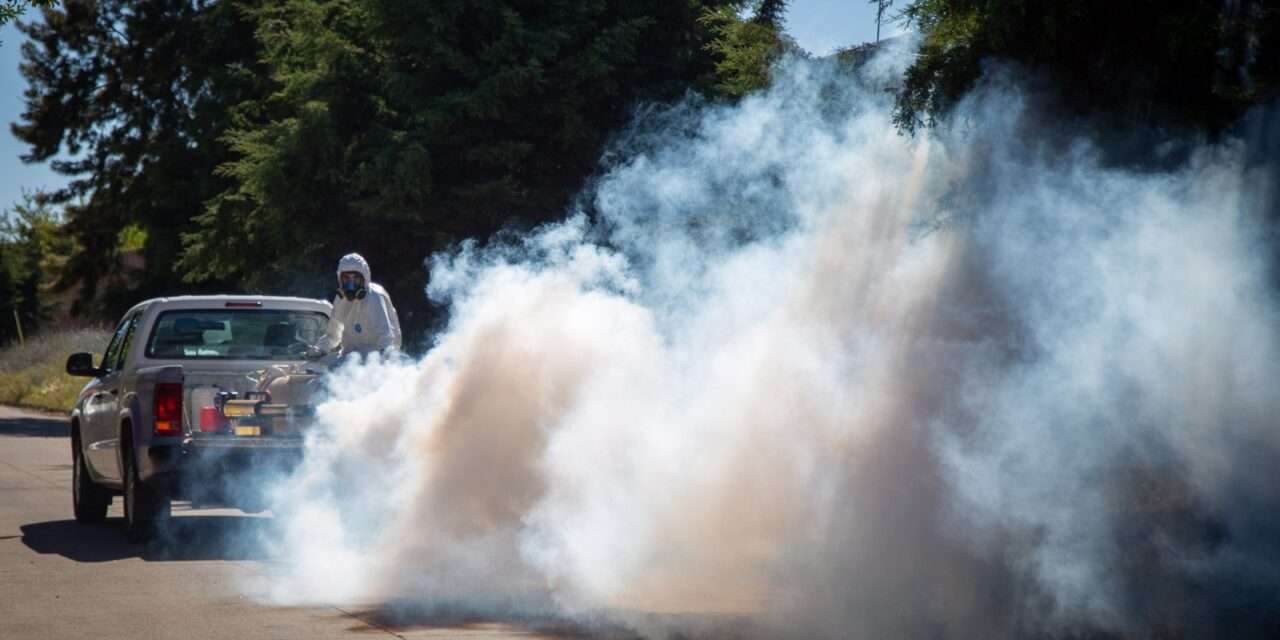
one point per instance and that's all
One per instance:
(34, 375)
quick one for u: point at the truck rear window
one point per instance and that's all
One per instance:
(234, 334)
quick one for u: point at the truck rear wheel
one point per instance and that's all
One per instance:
(88, 500)
(146, 510)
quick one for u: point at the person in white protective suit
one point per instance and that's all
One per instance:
(363, 320)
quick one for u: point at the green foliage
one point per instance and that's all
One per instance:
(32, 250)
(138, 94)
(770, 13)
(45, 386)
(11, 9)
(396, 128)
(132, 238)
(244, 145)
(1185, 62)
(947, 65)
(745, 50)
(34, 375)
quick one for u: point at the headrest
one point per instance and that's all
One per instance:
(278, 335)
(187, 326)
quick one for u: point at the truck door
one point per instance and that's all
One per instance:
(101, 428)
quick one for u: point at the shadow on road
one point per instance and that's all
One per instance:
(460, 618)
(399, 619)
(36, 427)
(191, 537)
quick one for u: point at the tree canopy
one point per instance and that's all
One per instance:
(11, 9)
(396, 128)
(138, 95)
(32, 251)
(1180, 63)
(745, 49)
(254, 142)
(244, 145)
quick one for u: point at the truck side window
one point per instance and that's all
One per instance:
(126, 344)
(113, 348)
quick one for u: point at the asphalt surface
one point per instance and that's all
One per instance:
(62, 579)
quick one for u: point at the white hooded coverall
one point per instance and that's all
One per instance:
(366, 324)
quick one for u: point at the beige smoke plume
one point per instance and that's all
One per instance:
(828, 381)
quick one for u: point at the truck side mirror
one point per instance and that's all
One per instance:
(81, 364)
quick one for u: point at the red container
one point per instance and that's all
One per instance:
(212, 420)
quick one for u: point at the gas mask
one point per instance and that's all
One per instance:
(352, 286)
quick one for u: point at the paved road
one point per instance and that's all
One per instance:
(61, 579)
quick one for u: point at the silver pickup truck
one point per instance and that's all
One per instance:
(197, 398)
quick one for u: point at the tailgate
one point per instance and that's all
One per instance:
(226, 410)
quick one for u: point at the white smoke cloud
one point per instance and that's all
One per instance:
(799, 370)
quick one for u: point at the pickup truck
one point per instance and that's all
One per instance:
(197, 398)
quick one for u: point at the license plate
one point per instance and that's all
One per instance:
(248, 431)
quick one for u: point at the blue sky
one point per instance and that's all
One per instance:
(14, 175)
(820, 26)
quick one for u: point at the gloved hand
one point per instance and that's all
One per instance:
(332, 359)
(306, 351)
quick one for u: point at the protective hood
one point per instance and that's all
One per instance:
(354, 262)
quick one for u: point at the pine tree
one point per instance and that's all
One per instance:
(396, 128)
(770, 13)
(137, 94)
(1182, 63)
(11, 9)
(32, 250)
(745, 50)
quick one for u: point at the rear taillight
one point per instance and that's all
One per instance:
(168, 411)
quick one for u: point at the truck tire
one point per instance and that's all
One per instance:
(88, 500)
(146, 510)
